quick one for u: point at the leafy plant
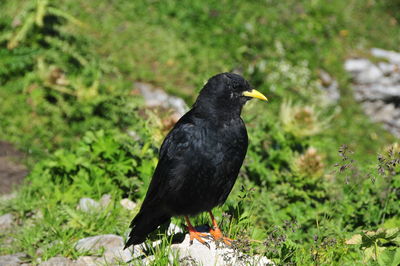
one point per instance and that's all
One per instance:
(301, 121)
(102, 162)
(382, 245)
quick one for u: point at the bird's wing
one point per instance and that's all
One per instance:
(176, 146)
(152, 213)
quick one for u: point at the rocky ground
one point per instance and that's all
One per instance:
(112, 252)
(376, 84)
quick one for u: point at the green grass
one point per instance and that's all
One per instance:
(66, 99)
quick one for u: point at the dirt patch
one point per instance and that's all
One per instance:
(12, 170)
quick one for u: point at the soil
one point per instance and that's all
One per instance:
(12, 170)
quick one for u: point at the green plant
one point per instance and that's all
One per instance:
(382, 245)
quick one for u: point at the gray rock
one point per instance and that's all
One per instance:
(39, 252)
(200, 254)
(325, 78)
(184, 253)
(329, 87)
(105, 200)
(380, 111)
(369, 75)
(128, 204)
(88, 205)
(6, 221)
(173, 229)
(12, 260)
(391, 56)
(377, 87)
(387, 68)
(376, 92)
(87, 261)
(357, 65)
(133, 134)
(387, 81)
(7, 197)
(395, 77)
(57, 261)
(157, 97)
(118, 254)
(95, 243)
(113, 246)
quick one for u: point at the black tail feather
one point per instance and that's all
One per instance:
(143, 224)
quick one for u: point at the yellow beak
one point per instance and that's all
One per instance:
(255, 94)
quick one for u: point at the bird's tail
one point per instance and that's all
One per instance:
(143, 224)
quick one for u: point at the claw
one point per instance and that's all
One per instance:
(218, 237)
(195, 234)
(217, 234)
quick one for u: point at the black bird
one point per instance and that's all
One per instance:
(199, 159)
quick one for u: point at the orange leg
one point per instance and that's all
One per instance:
(216, 232)
(195, 234)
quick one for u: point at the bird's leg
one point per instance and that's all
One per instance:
(195, 234)
(216, 232)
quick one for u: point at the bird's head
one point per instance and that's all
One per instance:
(227, 92)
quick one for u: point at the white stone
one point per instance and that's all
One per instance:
(12, 260)
(157, 97)
(173, 229)
(376, 92)
(391, 56)
(105, 200)
(387, 68)
(128, 204)
(94, 243)
(378, 87)
(7, 197)
(6, 221)
(325, 78)
(118, 254)
(133, 134)
(387, 81)
(384, 114)
(86, 261)
(369, 75)
(88, 205)
(214, 255)
(329, 87)
(197, 253)
(357, 65)
(113, 246)
(57, 261)
(396, 77)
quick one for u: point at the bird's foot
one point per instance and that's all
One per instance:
(198, 236)
(218, 237)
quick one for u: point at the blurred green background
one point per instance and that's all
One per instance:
(310, 180)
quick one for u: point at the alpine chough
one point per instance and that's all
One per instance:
(199, 159)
